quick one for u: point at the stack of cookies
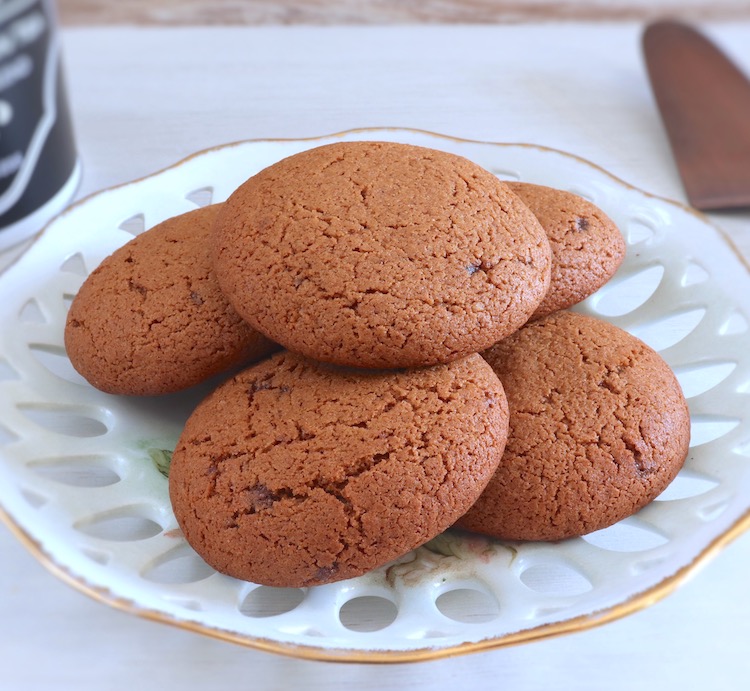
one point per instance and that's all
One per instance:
(415, 367)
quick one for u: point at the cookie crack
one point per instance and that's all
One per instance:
(214, 471)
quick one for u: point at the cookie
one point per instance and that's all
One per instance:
(375, 254)
(298, 473)
(150, 319)
(598, 428)
(587, 246)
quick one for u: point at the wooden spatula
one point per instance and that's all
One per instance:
(704, 100)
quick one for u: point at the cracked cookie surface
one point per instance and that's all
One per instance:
(376, 254)
(150, 319)
(297, 473)
(587, 246)
(598, 428)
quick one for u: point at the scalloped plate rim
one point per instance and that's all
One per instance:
(632, 604)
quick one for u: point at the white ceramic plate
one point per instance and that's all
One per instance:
(79, 470)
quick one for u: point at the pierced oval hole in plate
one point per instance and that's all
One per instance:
(178, 565)
(96, 556)
(708, 428)
(186, 603)
(75, 264)
(7, 372)
(63, 420)
(55, 360)
(6, 436)
(134, 225)
(645, 565)
(31, 313)
(638, 230)
(665, 333)
(712, 511)
(33, 498)
(700, 377)
(623, 295)
(503, 174)
(629, 535)
(688, 483)
(433, 633)
(201, 197)
(735, 324)
(127, 524)
(694, 274)
(468, 605)
(742, 449)
(77, 471)
(368, 613)
(555, 579)
(266, 601)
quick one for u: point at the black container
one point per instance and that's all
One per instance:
(39, 167)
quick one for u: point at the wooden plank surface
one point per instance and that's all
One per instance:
(259, 12)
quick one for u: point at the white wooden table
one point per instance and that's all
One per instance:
(144, 98)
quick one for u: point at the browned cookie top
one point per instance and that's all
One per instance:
(150, 319)
(297, 473)
(587, 247)
(377, 254)
(598, 428)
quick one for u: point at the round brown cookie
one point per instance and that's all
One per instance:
(587, 246)
(379, 255)
(598, 428)
(150, 319)
(298, 473)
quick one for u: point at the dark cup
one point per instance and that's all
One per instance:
(39, 167)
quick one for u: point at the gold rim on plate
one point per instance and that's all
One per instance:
(593, 619)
